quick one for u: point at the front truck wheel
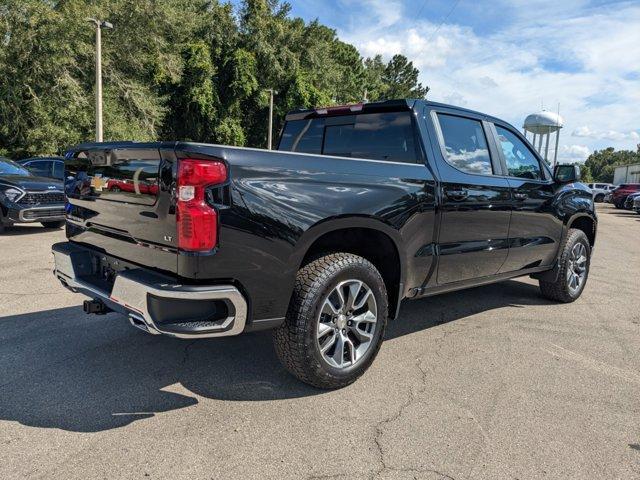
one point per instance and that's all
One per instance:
(335, 323)
(58, 224)
(574, 261)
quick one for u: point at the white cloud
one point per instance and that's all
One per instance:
(574, 153)
(613, 135)
(384, 12)
(582, 58)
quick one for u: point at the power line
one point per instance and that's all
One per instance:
(424, 4)
(455, 4)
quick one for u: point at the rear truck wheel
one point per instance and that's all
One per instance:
(599, 198)
(1, 228)
(58, 224)
(335, 323)
(574, 262)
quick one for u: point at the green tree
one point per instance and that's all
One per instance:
(43, 100)
(193, 105)
(602, 163)
(374, 82)
(394, 80)
(176, 69)
(401, 79)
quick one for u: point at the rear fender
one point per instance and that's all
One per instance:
(334, 224)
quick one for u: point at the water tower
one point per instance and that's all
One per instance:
(542, 125)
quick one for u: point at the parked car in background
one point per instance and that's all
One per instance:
(360, 207)
(636, 204)
(607, 197)
(49, 167)
(628, 203)
(27, 198)
(620, 194)
(600, 190)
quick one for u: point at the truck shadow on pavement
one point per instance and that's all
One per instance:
(18, 230)
(62, 369)
(620, 213)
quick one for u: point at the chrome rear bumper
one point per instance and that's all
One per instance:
(132, 290)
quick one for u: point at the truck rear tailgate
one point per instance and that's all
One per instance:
(121, 202)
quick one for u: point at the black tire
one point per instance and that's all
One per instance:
(295, 340)
(599, 198)
(58, 224)
(560, 290)
(1, 228)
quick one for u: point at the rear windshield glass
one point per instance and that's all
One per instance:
(376, 136)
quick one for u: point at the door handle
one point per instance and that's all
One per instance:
(457, 195)
(520, 196)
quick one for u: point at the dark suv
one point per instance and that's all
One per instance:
(26, 198)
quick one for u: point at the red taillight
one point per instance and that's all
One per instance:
(197, 221)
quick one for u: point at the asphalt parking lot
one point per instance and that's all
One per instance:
(490, 383)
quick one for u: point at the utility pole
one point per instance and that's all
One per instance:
(270, 139)
(99, 24)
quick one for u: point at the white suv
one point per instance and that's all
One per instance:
(600, 190)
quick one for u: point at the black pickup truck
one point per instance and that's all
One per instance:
(361, 207)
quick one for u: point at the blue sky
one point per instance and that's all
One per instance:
(510, 57)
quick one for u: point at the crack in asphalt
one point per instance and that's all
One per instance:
(328, 477)
(186, 351)
(411, 399)
(22, 294)
(379, 427)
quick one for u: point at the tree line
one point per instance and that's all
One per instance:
(195, 70)
(601, 164)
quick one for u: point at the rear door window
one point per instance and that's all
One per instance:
(377, 136)
(465, 144)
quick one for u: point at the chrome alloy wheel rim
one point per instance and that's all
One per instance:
(347, 323)
(577, 270)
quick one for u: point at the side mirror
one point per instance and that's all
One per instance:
(566, 173)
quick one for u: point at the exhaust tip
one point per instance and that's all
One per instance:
(141, 324)
(138, 323)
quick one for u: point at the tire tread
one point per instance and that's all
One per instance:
(289, 338)
(558, 290)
